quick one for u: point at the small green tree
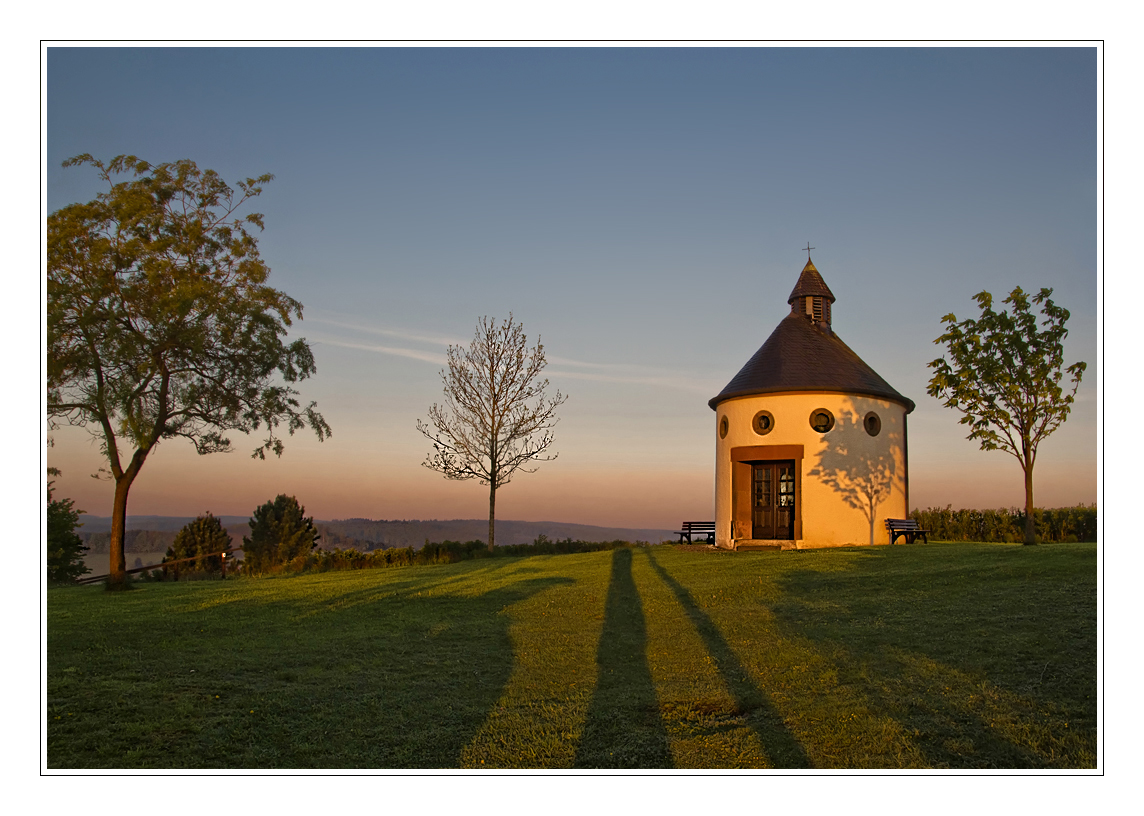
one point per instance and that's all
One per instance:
(200, 539)
(279, 532)
(65, 548)
(1005, 378)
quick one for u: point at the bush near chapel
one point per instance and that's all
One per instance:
(1059, 524)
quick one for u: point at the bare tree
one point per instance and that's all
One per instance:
(496, 416)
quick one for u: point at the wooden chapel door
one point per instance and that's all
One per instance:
(772, 501)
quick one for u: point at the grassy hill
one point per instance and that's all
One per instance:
(938, 656)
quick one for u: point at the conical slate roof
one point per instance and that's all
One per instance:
(810, 283)
(803, 356)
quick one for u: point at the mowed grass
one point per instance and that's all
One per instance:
(927, 656)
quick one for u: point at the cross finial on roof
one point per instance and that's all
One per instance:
(808, 249)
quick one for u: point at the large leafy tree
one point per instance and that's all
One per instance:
(161, 325)
(279, 532)
(1004, 376)
(496, 417)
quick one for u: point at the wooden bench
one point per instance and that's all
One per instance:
(906, 527)
(703, 528)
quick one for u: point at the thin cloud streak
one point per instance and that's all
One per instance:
(413, 354)
(582, 364)
(401, 334)
(620, 373)
(661, 380)
(681, 383)
(439, 340)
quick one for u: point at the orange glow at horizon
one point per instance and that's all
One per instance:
(177, 482)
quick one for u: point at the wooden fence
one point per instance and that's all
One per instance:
(91, 579)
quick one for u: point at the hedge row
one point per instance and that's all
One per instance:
(1008, 525)
(445, 552)
(565, 546)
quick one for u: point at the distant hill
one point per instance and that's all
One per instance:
(149, 534)
(415, 533)
(102, 524)
(155, 533)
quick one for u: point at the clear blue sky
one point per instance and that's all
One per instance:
(619, 202)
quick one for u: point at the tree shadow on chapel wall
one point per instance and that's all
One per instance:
(859, 467)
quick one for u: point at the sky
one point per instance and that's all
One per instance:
(642, 211)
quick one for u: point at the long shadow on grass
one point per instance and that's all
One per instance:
(433, 675)
(780, 744)
(421, 580)
(623, 727)
(301, 676)
(981, 658)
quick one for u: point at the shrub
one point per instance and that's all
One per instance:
(280, 535)
(1008, 525)
(199, 539)
(65, 547)
(565, 546)
(445, 552)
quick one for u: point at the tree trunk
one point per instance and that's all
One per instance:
(1030, 522)
(117, 566)
(492, 511)
(117, 559)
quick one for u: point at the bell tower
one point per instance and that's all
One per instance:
(812, 297)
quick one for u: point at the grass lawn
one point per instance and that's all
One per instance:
(927, 656)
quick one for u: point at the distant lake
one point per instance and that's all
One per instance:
(100, 563)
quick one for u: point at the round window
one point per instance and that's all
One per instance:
(872, 423)
(763, 423)
(723, 428)
(821, 420)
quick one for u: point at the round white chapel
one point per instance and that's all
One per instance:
(810, 443)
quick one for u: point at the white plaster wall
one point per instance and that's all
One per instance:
(837, 466)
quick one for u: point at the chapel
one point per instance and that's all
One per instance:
(810, 442)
